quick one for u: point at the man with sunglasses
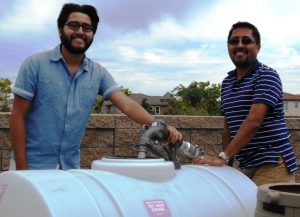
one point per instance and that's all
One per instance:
(254, 129)
(55, 92)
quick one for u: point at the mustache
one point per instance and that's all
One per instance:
(75, 36)
(240, 49)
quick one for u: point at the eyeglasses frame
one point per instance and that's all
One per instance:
(82, 25)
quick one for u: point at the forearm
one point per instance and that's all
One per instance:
(244, 135)
(139, 114)
(242, 138)
(248, 129)
(225, 135)
(131, 108)
(18, 130)
(17, 136)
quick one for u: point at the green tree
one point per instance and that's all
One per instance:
(126, 91)
(5, 91)
(98, 105)
(199, 98)
(146, 105)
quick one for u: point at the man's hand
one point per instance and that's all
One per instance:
(174, 135)
(210, 160)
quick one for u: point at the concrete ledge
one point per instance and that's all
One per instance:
(117, 135)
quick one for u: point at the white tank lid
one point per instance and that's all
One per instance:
(155, 170)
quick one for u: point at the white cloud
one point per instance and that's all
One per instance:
(179, 47)
(207, 61)
(31, 16)
(166, 29)
(128, 52)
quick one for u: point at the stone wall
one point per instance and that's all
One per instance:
(117, 135)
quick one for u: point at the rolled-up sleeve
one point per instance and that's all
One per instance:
(25, 85)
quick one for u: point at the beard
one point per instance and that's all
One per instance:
(67, 43)
(241, 63)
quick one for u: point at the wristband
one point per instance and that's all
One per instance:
(224, 156)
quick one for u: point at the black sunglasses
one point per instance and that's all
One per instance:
(74, 25)
(243, 40)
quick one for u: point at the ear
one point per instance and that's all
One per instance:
(258, 47)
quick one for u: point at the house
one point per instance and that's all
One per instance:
(154, 104)
(291, 104)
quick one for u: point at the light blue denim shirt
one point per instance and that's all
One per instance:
(61, 106)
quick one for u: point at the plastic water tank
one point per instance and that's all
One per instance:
(278, 200)
(147, 188)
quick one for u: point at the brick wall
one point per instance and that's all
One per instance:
(116, 135)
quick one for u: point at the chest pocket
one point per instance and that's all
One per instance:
(87, 96)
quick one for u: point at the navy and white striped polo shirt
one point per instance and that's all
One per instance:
(260, 85)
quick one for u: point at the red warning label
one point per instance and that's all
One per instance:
(157, 208)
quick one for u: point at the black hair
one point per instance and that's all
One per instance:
(239, 24)
(70, 8)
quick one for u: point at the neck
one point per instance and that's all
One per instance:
(73, 60)
(241, 72)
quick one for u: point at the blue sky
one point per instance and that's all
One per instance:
(152, 46)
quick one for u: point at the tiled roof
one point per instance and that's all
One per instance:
(151, 100)
(291, 97)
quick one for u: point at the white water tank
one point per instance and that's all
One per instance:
(128, 188)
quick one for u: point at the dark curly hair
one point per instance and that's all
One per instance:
(86, 9)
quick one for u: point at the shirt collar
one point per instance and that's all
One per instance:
(56, 56)
(254, 66)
